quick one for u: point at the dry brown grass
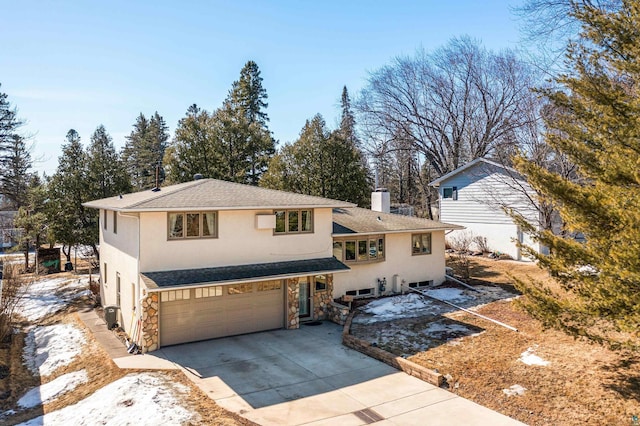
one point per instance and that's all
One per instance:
(584, 383)
(101, 371)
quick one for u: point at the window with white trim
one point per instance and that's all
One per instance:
(450, 192)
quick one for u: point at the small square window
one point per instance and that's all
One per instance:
(450, 192)
(320, 282)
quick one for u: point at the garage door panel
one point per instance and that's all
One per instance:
(226, 314)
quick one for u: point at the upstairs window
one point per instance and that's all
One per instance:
(192, 225)
(294, 221)
(115, 222)
(105, 215)
(364, 249)
(421, 244)
(450, 192)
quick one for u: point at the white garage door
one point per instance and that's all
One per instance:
(216, 311)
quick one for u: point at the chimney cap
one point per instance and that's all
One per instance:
(198, 176)
(381, 190)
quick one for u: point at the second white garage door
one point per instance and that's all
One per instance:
(190, 315)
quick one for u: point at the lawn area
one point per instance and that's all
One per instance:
(54, 372)
(565, 381)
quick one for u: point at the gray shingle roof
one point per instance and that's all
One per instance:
(364, 221)
(228, 274)
(212, 194)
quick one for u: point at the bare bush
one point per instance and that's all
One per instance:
(461, 242)
(14, 287)
(481, 243)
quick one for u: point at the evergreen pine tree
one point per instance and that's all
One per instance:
(144, 150)
(71, 223)
(595, 125)
(246, 106)
(14, 156)
(320, 163)
(16, 163)
(193, 149)
(106, 175)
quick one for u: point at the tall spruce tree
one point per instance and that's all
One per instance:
(244, 119)
(14, 156)
(320, 163)
(15, 176)
(144, 150)
(595, 125)
(193, 149)
(106, 174)
(71, 223)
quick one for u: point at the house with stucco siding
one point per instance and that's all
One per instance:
(210, 258)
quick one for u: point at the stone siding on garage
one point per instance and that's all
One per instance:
(150, 320)
(293, 304)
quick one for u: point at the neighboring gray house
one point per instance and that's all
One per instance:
(475, 196)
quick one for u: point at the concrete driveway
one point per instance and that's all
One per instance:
(306, 376)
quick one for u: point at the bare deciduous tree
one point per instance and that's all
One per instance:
(454, 105)
(12, 290)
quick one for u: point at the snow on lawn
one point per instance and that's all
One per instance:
(449, 294)
(529, 358)
(49, 295)
(514, 390)
(48, 392)
(405, 306)
(136, 399)
(48, 348)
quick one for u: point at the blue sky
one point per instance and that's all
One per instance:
(81, 64)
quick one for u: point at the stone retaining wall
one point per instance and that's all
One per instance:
(400, 363)
(150, 319)
(338, 313)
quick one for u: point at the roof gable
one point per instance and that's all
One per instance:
(478, 162)
(212, 194)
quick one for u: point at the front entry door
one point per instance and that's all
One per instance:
(305, 298)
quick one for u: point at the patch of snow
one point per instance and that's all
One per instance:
(528, 357)
(48, 348)
(438, 327)
(587, 270)
(449, 294)
(514, 390)
(49, 295)
(143, 398)
(404, 306)
(48, 392)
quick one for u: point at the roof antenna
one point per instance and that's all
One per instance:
(157, 187)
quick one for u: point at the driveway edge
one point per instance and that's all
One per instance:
(402, 364)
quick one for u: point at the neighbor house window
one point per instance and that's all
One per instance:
(192, 225)
(294, 221)
(450, 192)
(365, 249)
(421, 243)
(115, 222)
